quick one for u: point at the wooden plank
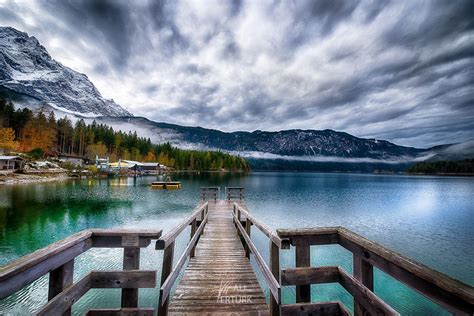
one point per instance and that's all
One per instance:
(20, 273)
(272, 283)
(117, 242)
(371, 302)
(120, 238)
(123, 279)
(193, 231)
(315, 309)
(42, 254)
(148, 233)
(63, 301)
(309, 275)
(263, 228)
(169, 282)
(60, 279)
(248, 227)
(131, 261)
(303, 259)
(311, 236)
(450, 293)
(121, 312)
(170, 237)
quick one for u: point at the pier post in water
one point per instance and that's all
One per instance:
(131, 261)
(364, 272)
(303, 256)
(59, 279)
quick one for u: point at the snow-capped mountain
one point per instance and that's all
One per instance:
(29, 72)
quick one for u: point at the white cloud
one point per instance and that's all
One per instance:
(392, 70)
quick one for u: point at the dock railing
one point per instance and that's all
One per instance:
(169, 274)
(234, 193)
(271, 272)
(451, 294)
(455, 296)
(57, 259)
(210, 194)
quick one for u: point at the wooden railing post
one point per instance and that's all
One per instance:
(248, 225)
(364, 272)
(303, 259)
(131, 261)
(167, 267)
(193, 231)
(59, 279)
(275, 268)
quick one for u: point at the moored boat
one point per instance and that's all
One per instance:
(166, 185)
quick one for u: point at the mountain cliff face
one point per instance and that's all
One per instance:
(26, 69)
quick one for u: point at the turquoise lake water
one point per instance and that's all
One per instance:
(429, 219)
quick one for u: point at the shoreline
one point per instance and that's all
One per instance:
(43, 177)
(22, 178)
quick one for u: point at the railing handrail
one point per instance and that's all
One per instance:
(453, 294)
(272, 282)
(214, 192)
(234, 193)
(22, 271)
(168, 238)
(281, 243)
(167, 284)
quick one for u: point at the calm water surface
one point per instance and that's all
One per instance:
(429, 219)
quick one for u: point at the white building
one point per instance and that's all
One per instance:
(10, 163)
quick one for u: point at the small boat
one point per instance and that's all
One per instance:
(166, 185)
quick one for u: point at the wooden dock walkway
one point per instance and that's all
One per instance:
(219, 278)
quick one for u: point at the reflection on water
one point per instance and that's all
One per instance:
(426, 218)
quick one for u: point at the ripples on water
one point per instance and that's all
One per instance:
(426, 218)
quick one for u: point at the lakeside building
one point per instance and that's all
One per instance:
(10, 163)
(129, 166)
(145, 167)
(102, 164)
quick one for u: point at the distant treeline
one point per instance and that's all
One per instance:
(27, 131)
(444, 167)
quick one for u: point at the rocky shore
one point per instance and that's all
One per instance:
(17, 178)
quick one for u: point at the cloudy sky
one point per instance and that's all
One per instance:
(396, 70)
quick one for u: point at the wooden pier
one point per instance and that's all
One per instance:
(213, 275)
(219, 277)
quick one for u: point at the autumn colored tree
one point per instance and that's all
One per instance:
(39, 133)
(150, 157)
(7, 139)
(98, 149)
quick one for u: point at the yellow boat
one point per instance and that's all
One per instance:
(166, 185)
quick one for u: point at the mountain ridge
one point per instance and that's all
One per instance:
(27, 69)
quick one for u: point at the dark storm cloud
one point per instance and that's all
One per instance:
(106, 21)
(442, 20)
(398, 70)
(329, 13)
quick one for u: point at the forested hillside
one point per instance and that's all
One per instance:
(25, 131)
(444, 167)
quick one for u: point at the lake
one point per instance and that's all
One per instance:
(429, 219)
